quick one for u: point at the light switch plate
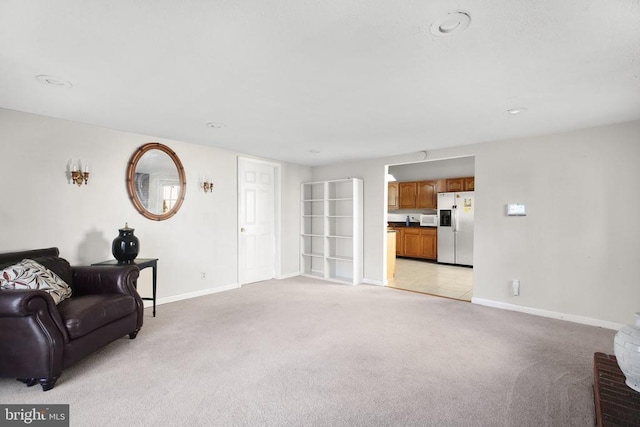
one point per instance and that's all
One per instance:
(516, 209)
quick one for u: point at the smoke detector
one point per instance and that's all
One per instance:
(450, 24)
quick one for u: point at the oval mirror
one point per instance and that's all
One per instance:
(156, 181)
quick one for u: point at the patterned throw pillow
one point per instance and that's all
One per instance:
(29, 274)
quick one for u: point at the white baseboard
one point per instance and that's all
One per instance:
(288, 275)
(374, 282)
(190, 295)
(546, 313)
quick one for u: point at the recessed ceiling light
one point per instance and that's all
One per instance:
(53, 81)
(215, 125)
(450, 24)
(514, 111)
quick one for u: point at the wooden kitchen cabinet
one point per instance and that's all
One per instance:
(415, 194)
(400, 241)
(429, 243)
(392, 197)
(427, 195)
(419, 242)
(469, 183)
(461, 184)
(424, 194)
(407, 195)
(412, 242)
(455, 185)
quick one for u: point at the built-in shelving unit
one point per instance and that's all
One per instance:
(331, 242)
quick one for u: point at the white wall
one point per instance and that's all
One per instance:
(577, 250)
(40, 208)
(583, 264)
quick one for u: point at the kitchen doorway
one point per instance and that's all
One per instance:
(423, 263)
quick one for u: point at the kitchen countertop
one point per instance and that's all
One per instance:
(411, 225)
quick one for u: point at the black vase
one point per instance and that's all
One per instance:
(126, 246)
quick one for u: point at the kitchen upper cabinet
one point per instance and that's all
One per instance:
(427, 197)
(455, 185)
(414, 194)
(392, 198)
(424, 194)
(469, 183)
(407, 195)
(461, 184)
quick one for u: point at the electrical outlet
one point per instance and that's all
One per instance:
(516, 287)
(203, 275)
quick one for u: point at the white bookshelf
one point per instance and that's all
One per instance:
(331, 235)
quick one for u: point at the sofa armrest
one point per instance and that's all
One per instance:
(32, 335)
(26, 302)
(108, 279)
(105, 279)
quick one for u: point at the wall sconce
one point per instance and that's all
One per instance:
(77, 175)
(207, 186)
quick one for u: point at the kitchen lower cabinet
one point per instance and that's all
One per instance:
(420, 242)
(429, 243)
(400, 242)
(411, 242)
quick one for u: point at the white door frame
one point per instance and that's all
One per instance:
(277, 215)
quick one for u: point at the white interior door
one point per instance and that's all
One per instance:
(257, 221)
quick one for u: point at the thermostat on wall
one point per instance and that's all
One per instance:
(515, 209)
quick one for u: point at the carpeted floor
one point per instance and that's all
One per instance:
(301, 352)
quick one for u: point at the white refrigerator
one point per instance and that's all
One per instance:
(455, 228)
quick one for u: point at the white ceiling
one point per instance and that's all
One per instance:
(352, 79)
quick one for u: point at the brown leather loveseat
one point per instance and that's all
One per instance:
(38, 338)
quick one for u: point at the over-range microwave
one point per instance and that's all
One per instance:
(429, 220)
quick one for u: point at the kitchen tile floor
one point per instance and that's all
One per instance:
(433, 279)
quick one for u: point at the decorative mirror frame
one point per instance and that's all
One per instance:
(131, 170)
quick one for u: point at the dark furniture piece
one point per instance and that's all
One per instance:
(617, 404)
(142, 263)
(38, 339)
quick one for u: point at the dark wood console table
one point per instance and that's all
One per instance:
(142, 263)
(617, 404)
